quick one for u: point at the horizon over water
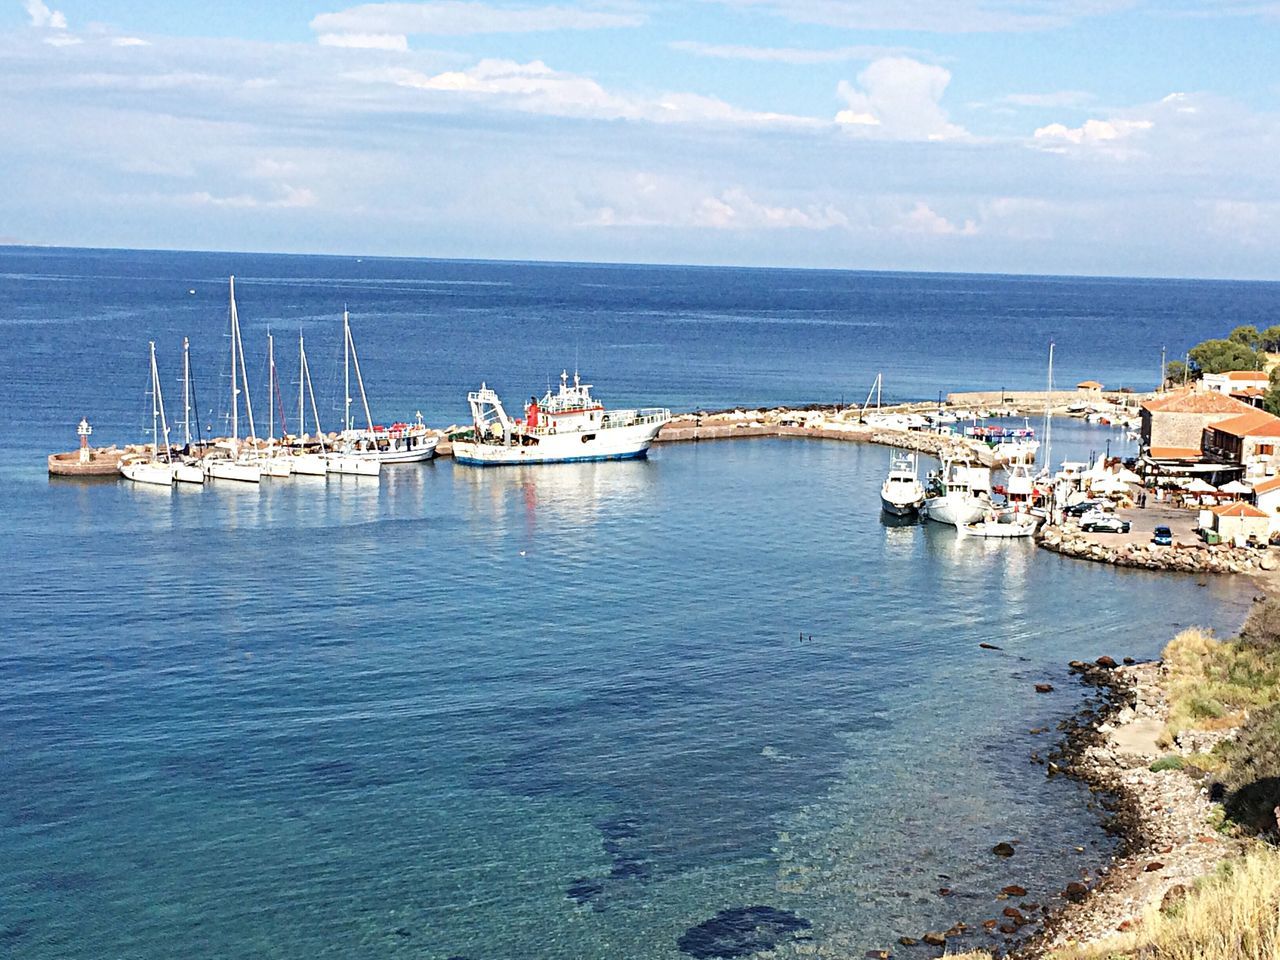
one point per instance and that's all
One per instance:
(708, 704)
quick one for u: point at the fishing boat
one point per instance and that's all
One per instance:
(902, 493)
(232, 461)
(565, 427)
(958, 493)
(152, 468)
(400, 443)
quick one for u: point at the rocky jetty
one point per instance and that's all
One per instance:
(1164, 815)
(1198, 558)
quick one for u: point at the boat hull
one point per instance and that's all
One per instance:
(955, 510)
(413, 449)
(616, 443)
(309, 465)
(353, 466)
(148, 471)
(276, 467)
(233, 470)
(898, 509)
(188, 473)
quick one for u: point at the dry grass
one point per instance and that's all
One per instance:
(1213, 684)
(1234, 915)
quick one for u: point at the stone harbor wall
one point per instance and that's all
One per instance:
(1221, 558)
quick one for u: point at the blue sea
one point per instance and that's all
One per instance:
(709, 704)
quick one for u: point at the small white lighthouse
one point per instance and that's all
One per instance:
(84, 430)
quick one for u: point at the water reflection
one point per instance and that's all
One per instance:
(573, 493)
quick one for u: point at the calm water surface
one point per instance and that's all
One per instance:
(551, 712)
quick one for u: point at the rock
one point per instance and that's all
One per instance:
(1107, 663)
(1014, 914)
(1003, 849)
(990, 924)
(1075, 891)
(1008, 929)
(1129, 661)
(877, 955)
(1014, 890)
(1044, 688)
(740, 932)
(1153, 866)
(934, 939)
(944, 891)
(908, 941)
(990, 646)
(1173, 898)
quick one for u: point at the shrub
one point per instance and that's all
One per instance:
(1170, 762)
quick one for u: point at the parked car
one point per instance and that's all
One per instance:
(1162, 537)
(1081, 508)
(1105, 524)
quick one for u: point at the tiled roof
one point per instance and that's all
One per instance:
(1196, 401)
(1257, 423)
(1266, 486)
(1238, 509)
(1174, 453)
(1246, 375)
(1088, 385)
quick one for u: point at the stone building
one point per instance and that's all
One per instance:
(1177, 421)
(1248, 440)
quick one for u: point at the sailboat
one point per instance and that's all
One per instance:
(323, 461)
(399, 443)
(274, 462)
(235, 463)
(187, 469)
(153, 469)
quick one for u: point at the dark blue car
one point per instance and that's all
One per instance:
(1163, 537)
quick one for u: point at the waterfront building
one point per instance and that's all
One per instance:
(1172, 434)
(1248, 441)
(1233, 382)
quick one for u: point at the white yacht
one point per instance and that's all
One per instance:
(902, 493)
(230, 460)
(958, 493)
(153, 469)
(562, 427)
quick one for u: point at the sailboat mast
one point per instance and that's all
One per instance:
(302, 370)
(271, 387)
(346, 371)
(355, 360)
(155, 407)
(244, 375)
(235, 393)
(879, 388)
(1048, 416)
(306, 377)
(186, 392)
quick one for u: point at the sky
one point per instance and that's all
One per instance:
(1107, 137)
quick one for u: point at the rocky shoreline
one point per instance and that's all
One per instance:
(1199, 558)
(1164, 818)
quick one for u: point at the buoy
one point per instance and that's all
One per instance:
(191, 291)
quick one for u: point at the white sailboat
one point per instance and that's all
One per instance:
(235, 463)
(153, 469)
(399, 443)
(273, 461)
(958, 493)
(902, 493)
(186, 469)
(306, 463)
(571, 426)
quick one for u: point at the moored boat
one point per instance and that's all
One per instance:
(151, 467)
(1003, 526)
(902, 493)
(958, 493)
(565, 427)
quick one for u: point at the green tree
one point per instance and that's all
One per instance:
(1176, 372)
(1269, 339)
(1248, 335)
(1219, 356)
(1271, 399)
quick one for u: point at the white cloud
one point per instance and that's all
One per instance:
(365, 41)
(129, 42)
(462, 17)
(62, 40)
(44, 18)
(922, 219)
(289, 198)
(535, 87)
(1061, 98)
(648, 200)
(792, 55)
(1092, 133)
(938, 16)
(899, 98)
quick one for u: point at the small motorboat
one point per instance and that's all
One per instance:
(1003, 526)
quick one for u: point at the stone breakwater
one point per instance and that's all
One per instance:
(1198, 558)
(1164, 818)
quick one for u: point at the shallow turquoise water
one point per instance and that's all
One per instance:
(410, 718)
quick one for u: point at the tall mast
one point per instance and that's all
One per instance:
(306, 380)
(1048, 416)
(235, 393)
(238, 347)
(186, 392)
(355, 360)
(302, 371)
(271, 387)
(346, 371)
(879, 388)
(157, 407)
